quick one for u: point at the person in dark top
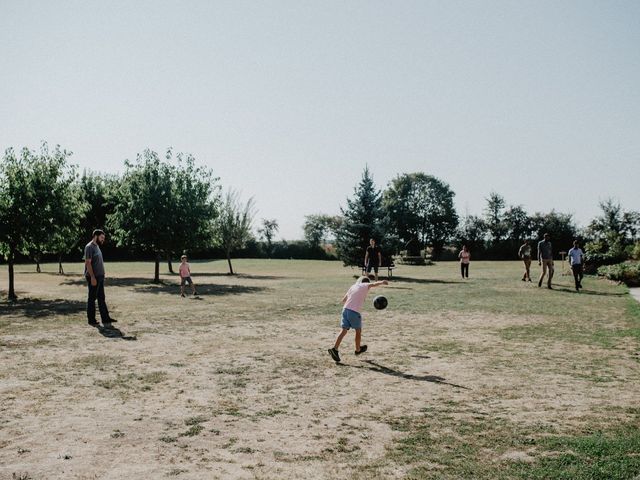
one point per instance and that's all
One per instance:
(94, 273)
(545, 259)
(373, 258)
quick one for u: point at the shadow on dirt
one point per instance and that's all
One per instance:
(376, 367)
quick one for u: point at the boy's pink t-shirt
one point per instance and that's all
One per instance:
(464, 257)
(356, 295)
(184, 270)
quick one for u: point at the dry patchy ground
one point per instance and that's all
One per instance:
(462, 379)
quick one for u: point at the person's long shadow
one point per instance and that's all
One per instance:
(559, 288)
(113, 332)
(376, 367)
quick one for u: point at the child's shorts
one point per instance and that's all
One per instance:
(185, 280)
(351, 319)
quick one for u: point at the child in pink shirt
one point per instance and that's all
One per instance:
(353, 301)
(185, 276)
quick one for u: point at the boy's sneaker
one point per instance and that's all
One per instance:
(363, 348)
(335, 355)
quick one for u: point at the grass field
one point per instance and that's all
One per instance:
(489, 378)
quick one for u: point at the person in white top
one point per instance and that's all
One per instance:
(576, 260)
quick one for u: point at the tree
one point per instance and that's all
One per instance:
(40, 206)
(233, 226)
(17, 204)
(68, 214)
(494, 219)
(100, 192)
(421, 211)
(318, 227)
(472, 232)
(612, 233)
(363, 220)
(559, 225)
(164, 206)
(268, 231)
(517, 223)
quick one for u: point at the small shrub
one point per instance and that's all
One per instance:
(627, 272)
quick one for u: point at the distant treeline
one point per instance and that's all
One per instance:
(164, 206)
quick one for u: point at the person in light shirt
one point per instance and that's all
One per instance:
(465, 259)
(185, 276)
(353, 302)
(525, 254)
(576, 260)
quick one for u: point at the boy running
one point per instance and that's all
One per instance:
(353, 301)
(185, 276)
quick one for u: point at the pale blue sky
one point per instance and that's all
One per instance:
(288, 100)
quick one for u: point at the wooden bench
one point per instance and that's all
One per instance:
(389, 265)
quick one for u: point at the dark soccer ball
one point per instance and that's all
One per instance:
(380, 302)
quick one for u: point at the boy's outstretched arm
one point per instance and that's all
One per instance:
(344, 299)
(377, 284)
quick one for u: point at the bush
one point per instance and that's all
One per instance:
(635, 251)
(627, 272)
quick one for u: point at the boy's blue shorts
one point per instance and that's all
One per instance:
(351, 319)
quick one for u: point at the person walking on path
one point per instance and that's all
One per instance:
(576, 260)
(94, 273)
(545, 259)
(525, 254)
(373, 258)
(465, 259)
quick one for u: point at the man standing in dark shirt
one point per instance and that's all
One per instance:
(94, 273)
(545, 259)
(373, 258)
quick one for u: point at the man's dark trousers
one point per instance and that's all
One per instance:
(97, 292)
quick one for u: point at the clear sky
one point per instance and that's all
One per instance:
(288, 100)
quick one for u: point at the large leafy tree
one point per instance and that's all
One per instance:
(517, 223)
(17, 204)
(40, 205)
(164, 205)
(421, 211)
(100, 192)
(363, 219)
(560, 226)
(233, 226)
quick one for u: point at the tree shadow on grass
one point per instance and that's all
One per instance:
(38, 308)
(376, 367)
(425, 280)
(144, 285)
(244, 276)
(204, 289)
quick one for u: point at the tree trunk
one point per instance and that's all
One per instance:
(60, 269)
(156, 276)
(12, 292)
(169, 263)
(37, 258)
(229, 261)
